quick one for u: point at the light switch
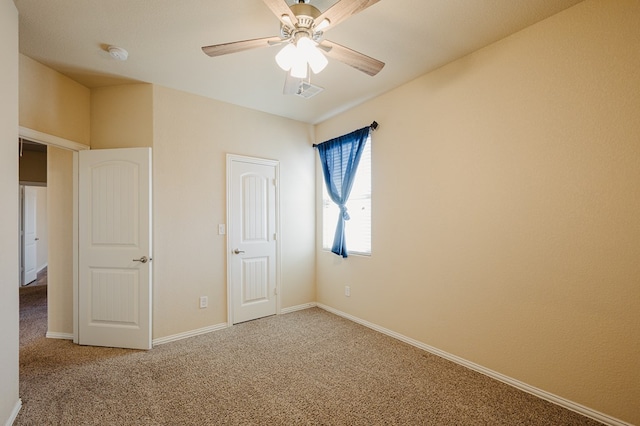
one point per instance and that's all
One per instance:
(222, 229)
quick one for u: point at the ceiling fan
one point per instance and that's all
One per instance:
(302, 28)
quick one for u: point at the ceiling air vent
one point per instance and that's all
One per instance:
(308, 90)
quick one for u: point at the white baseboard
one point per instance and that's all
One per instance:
(46, 265)
(63, 336)
(14, 413)
(555, 399)
(221, 326)
(186, 334)
(297, 308)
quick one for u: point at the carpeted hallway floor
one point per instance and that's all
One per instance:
(305, 368)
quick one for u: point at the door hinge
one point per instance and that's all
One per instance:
(275, 291)
(275, 182)
(275, 236)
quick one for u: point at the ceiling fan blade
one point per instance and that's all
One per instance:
(352, 58)
(280, 8)
(239, 46)
(343, 10)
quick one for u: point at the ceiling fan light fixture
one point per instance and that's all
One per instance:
(318, 63)
(298, 57)
(316, 60)
(287, 56)
(299, 68)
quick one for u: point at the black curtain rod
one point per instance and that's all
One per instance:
(373, 126)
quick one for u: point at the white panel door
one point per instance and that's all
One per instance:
(29, 242)
(114, 248)
(252, 237)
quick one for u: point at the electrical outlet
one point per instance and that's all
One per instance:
(204, 302)
(222, 229)
(347, 290)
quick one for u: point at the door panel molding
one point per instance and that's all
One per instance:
(115, 231)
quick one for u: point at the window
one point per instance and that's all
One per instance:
(358, 228)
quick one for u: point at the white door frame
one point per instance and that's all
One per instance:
(267, 162)
(58, 142)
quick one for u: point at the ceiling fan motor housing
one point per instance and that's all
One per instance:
(305, 13)
(306, 16)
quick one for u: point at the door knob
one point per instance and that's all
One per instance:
(143, 259)
(236, 251)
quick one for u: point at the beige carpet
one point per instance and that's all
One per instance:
(304, 368)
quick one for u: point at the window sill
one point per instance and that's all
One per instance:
(351, 253)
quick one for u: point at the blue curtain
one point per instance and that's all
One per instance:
(340, 158)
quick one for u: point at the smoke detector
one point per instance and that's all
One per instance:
(118, 53)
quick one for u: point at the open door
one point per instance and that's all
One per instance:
(29, 239)
(114, 248)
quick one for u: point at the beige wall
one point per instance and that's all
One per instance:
(505, 209)
(60, 227)
(9, 278)
(33, 166)
(52, 103)
(192, 137)
(122, 116)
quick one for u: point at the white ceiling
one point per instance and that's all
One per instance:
(164, 38)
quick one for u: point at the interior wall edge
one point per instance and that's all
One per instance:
(9, 214)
